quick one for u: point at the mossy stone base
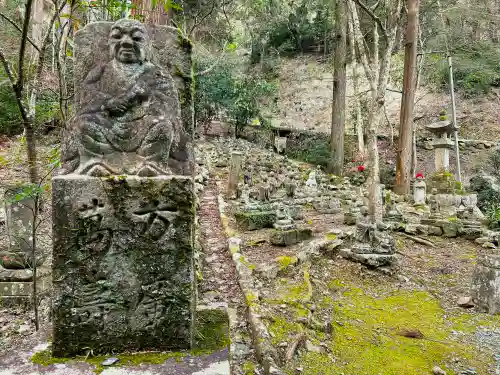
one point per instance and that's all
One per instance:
(445, 183)
(212, 327)
(290, 237)
(255, 220)
(123, 272)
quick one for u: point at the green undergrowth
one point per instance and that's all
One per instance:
(368, 340)
(45, 358)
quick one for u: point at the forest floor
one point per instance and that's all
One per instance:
(348, 319)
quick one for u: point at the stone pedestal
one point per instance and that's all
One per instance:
(122, 263)
(16, 286)
(442, 154)
(280, 144)
(486, 284)
(16, 262)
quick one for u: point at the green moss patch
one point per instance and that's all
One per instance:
(212, 329)
(368, 339)
(45, 358)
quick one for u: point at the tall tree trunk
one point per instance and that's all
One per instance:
(377, 74)
(355, 87)
(405, 149)
(339, 88)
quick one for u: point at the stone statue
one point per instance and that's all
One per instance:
(364, 227)
(129, 116)
(123, 246)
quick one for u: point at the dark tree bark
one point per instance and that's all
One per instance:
(405, 147)
(339, 88)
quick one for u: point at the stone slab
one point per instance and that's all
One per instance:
(486, 284)
(123, 263)
(17, 361)
(370, 260)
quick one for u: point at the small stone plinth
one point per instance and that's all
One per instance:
(123, 273)
(368, 259)
(290, 237)
(255, 220)
(486, 283)
(14, 292)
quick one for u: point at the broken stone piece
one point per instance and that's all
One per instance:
(465, 302)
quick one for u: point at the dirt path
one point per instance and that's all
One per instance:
(220, 282)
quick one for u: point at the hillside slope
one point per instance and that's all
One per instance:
(305, 93)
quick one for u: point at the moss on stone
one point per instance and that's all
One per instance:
(44, 358)
(330, 237)
(445, 182)
(255, 220)
(212, 329)
(286, 261)
(249, 368)
(283, 330)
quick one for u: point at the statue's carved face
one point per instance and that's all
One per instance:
(128, 42)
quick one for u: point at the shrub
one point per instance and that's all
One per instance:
(475, 69)
(10, 118)
(227, 91)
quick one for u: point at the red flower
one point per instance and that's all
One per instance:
(361, 168)
(419, 175)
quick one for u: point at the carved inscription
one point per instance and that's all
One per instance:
(155, 219)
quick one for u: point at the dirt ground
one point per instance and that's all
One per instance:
(355, 321)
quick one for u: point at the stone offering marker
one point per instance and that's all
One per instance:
(124, 204)
(16, 262)
(234, 171)
(442, 143)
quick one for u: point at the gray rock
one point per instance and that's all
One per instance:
(110, 361)
(465, 302)
(371, 260)
(450, 229)
(436, 370)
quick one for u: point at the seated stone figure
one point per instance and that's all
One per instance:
(129, 120)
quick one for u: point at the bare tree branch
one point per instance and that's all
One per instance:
(7, 68)
(22, 49)
(9, 20)
(373, 16)
(210, 68)
(196, 23)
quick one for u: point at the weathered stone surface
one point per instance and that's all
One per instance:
(255, 220)
(290, 237)
(129, 118)
(16, 262)
(471, 233)
(122, 263)
(486, 283)
(434, 231)
(371, 260)
(450, 228)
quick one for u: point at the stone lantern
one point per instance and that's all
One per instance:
(442, 143)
